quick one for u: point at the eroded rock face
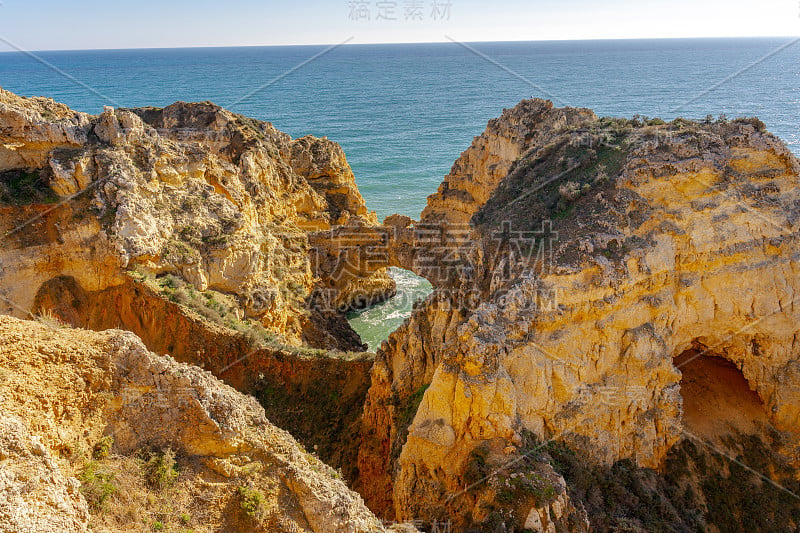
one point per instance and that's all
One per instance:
(70, 388)
(576, 262)
(35, 495)
(38, 126)
(223, 201)
(475, 175)
(594, 260)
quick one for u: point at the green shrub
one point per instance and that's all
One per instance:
(477, 468)
(160, 469)
(19, 187)
(521, 483)
(251, 501)
(103, 447)
(413, 405)
(756, 123)
(97, 485)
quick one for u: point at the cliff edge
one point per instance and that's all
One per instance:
(223, 202)
(97, 432)
(605, 272)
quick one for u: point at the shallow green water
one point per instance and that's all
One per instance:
(375, 324)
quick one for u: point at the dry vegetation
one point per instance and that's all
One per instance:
(149, 491)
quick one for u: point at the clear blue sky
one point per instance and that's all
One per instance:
(82, 24)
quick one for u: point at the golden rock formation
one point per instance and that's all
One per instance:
(593, 261)
(610, 294)
(222, 201)
(79, 390)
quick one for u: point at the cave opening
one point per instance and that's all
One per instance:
(731, 471)
(63, 299)
(374, 324)
(717, 398)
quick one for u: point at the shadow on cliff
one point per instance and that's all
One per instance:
(315, 396)
(700, 488)
(731, 472)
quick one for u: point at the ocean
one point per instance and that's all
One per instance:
(404, 113)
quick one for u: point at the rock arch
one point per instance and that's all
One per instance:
(432, 250)
(692, 241)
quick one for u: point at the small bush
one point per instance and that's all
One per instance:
(103, 447)
(251, 501)
(160, 469)
(520, 483)
(756, 123)
(477, 468)
(18, 187)
(97, 485)
(413, 405)
(50, 319)
(569, 191)
(171, 282)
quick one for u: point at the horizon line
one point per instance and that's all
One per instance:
(209, 47)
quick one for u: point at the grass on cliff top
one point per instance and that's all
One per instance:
(553, 184)
(223, 309)
(560, 181)
(20, 187)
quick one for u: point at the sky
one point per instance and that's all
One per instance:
(92, 24)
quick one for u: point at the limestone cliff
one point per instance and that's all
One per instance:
(613, 320)
(597, 252)
(90, 405)
(220, 200)
(190, 227)
(479, 170)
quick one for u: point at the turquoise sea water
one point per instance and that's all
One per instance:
(403, 113)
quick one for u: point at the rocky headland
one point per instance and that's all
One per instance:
(610, 344)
